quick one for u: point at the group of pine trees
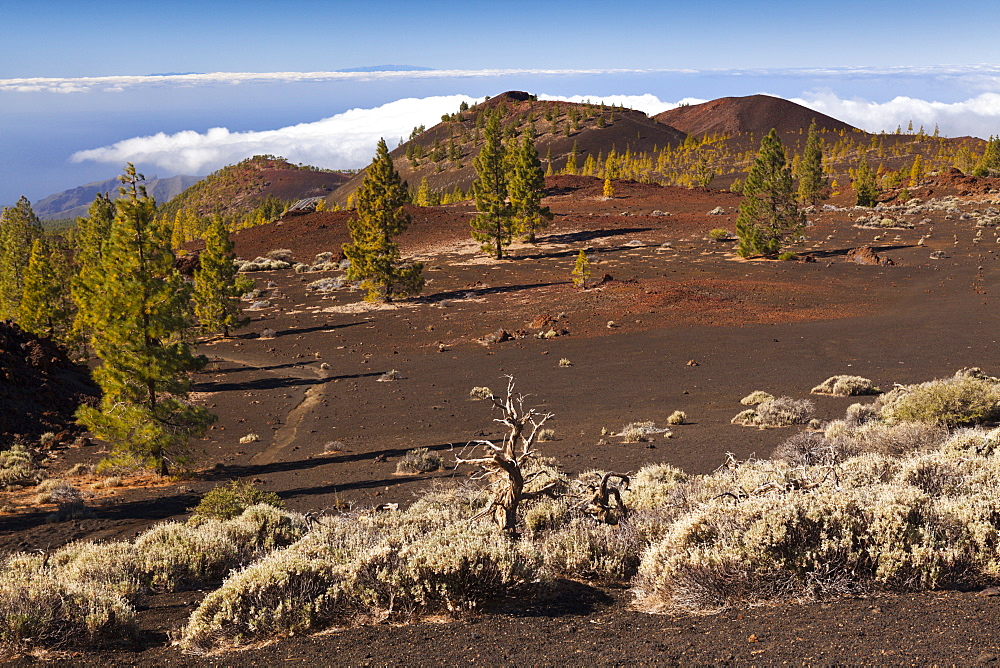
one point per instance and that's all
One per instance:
(508, 189)
(770, 214)
(111, 288)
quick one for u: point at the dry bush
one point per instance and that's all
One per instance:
(365, 567)
(640, 432)
(328, 284)
(39, 610)
(79, 469)
(897, 439)
(176, 556)
(546, 515)
(779, 412)
(846, 386)
(808, 546)
(756, 397)
(419, 460)
(809, 448)
(960, 400)
(677, 417)
(83, 592)
(972, 441)
(18, 468)
(653, 486)
(592, 550)
(281, 254)
(261, 264)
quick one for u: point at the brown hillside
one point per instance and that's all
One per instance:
(753, 114)
(239, 188)
(623, 129)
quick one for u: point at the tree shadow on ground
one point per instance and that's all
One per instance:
(276, 383)
(565, 598)
(588, 235)
(842, 252)
(227, 471)
(319, 328)
(239, 367)
(479, 292)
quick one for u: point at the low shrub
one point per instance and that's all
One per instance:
(756, 397)
(677, 417)
(639, 432)
(40, 610)
(956, 401)
(419, 460)
(587, 549)
(227, 501)
(364, 567)
(719, 234)
(777, 412)
(846, 386)
(18, 468)
(808, 546)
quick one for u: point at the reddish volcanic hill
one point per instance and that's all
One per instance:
(593, 129)
(754, 115)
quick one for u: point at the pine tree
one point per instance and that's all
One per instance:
(609, 189)
(812, 181)
(379, 219)
(865, 187)
(19, 228)
(768, 215)
(917, 170)
(140, 314)
(581, 270)
(423, 193)
(527, 188)
(89, 240)
(217, 285)
(494, 226)
(990, 160)
(571, 167)
(45, 306)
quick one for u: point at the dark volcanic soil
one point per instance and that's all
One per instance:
(679, 324)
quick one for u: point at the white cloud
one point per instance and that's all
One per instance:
(984, 77)
(978, 116)
(348, 140)
(648, 104)
(343, 141)
(116, 83)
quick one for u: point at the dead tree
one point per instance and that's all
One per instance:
(599, 505)
(503, 463)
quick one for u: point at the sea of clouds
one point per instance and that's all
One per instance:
(347, 140)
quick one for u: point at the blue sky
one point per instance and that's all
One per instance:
(69, 114)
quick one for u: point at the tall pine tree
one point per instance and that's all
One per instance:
(989, 163)
(865, 186)
(88, 242)
(217, 285)
(379, 219)
(527, 188)
(494, 226)
(45, 307)
(768, 215)
(139, 315)
(19, 228)
(812, 180)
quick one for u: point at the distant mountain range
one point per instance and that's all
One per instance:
(75, 202)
